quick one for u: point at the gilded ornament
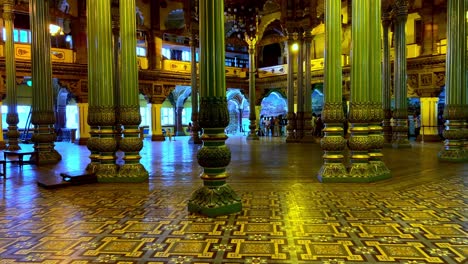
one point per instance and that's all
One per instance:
(333, 143)
(42, 117)
(129, 115)
(359, 143)
(106, 145)
(214, 157)
(130, 144)
(213, 112)
(333, 112)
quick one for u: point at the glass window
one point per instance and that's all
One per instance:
(72, 116)
(166, 53)
(145, 116)
(24, 36)
(15, 35)
(141, 51)
(23, 113)
(167, 116)
(186, 56)
(186, 116)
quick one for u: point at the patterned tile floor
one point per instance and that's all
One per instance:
(417, 216)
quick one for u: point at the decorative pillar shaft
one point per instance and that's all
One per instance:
(195, 136)
(291, 127)
(360, 105)
(386, 78)
(252, 41)
(42, 117)
(102, 111)
(456, 107)
(10, 65)
(300, 90)
(400, 130)
(93, 110)
(308, 136)
(129, 107)
(376, 114)
(333, 142)
(216, 197)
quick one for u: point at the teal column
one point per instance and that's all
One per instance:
(216, 197)
(455, 111)
(379, 170)
(93, 121)
(386, 78)
(291, 127)
(400, 130)
(42, 117)
(360, 105)
(300, 90)
(102, 110)
(308, 137)
(129, 108)
(333, 142)
(252, 42)
(194, 138)
(10, 65)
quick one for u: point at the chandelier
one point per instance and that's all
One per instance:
(241, 19)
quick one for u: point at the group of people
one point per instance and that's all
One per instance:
(272, 126)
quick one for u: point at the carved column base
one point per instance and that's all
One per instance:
(379, 170)
(400, 135)
(46, 157)
(333, 143)
(107, 172)
(454, 147)
(214, 199)
(333, 171)
(291, 128)
(43, 139)
(131, 173)
(253, 130)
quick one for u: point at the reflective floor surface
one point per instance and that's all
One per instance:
(420, 215)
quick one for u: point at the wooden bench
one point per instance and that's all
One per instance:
(20, 156)
(3, 173)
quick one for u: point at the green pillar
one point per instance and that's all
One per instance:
(102, 112)
(400, 130)
(195, 138)
(386, 78)
(333, 142)
(360, 105)
(129, 108)
(42, 117)
(92, 119)
(300, 90)
(376, 115)
(308, 137)
(455, 111)
(216, 197)
(252, 42)
(291, 137)
(10, 65)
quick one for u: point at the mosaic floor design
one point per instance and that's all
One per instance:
(107, 224)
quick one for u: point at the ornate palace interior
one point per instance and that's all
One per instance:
(145, 133)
